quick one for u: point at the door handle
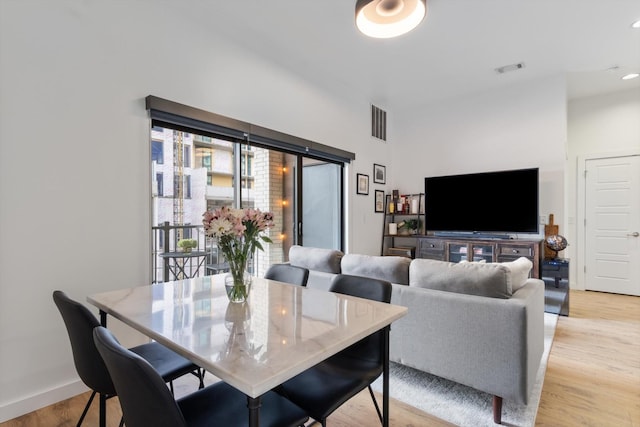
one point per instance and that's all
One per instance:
(634, 234)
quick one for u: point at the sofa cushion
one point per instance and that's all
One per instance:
(394, 269)
(520, 270)
(325, 260)
(495, 280)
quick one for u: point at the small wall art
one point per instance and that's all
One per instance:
(379, 203)
(379, 174)
(362, 184)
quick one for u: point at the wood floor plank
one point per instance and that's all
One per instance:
(592, 378)
(593, 374)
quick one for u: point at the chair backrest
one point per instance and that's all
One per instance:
(362, 287)
(144, 396)
(80, 323)
(288, 273)
(372, 347)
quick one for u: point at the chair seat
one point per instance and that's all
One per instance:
(323, 388)
(344, 375)
(222, 405)
(167, 363)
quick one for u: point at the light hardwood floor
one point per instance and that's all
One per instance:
(592, 379)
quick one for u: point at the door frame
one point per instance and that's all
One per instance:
(581, 210)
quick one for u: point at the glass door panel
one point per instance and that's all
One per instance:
(321, 204)
(457, 252)
(482, 253)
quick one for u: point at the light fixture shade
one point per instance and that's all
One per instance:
(389, 18)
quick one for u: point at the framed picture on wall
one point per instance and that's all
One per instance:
(362, 184)
(379, 174)
(379, 202)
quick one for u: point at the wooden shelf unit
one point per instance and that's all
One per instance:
(403, 243)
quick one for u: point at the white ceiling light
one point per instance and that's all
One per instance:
(636, 24)
(631, 76)
(389, 18)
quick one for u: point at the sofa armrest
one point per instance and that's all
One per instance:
(491, 344)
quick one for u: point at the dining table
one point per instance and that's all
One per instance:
(279, 332)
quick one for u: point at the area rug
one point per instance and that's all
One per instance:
(462, 405)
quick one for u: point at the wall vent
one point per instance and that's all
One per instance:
(509, 68)
(378, 123)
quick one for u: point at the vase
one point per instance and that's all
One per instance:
(237, 286)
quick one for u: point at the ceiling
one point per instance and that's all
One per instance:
(453, 53)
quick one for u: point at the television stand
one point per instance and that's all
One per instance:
(473, 248)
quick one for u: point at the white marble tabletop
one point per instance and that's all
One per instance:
(279, 332)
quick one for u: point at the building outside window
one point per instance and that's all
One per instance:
(157, 152)
(160, 184)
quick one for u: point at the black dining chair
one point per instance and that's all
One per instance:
(288, 273)
(80, 323)
(146, 401)
(323, 388)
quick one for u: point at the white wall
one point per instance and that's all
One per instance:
(74, 155)
(521, 127)
(605, 125)
(74, 158)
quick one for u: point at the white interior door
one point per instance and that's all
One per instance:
(612, 226)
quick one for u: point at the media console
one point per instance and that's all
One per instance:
(456, 249)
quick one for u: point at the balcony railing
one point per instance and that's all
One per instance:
(165, 241)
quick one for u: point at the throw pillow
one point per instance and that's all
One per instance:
(489, 280)
(394, 269)
(520, 270)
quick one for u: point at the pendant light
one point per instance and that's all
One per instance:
(389, 18)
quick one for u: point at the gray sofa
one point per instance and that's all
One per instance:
(481, 325)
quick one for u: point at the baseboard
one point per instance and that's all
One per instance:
(16, 408)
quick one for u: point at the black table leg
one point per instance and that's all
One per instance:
(385, 379)
(102, 411)
(103, 318)
(254, 410)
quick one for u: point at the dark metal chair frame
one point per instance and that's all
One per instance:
(146, 401)
(80, 323)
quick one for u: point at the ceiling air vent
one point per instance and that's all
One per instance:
(378, 123)
(511, 67)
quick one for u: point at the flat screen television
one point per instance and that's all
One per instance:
(502, 202)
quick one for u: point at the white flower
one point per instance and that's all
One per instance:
(219, 227)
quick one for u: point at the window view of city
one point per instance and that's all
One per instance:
(192, 173)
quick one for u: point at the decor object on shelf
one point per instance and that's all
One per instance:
(187, 244)
(379, 174)
(393, 228)
(389, 18)
(415, 204)
(362, 184)
(556, 243)
(238, 233)
(411, 225)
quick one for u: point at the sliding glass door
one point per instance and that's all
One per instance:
(192, 173)
(321, 204)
